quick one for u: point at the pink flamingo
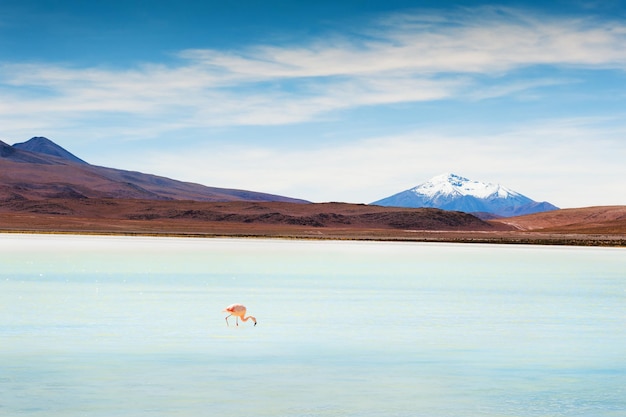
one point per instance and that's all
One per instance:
(239, 311)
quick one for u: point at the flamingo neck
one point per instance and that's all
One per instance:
(249, 317)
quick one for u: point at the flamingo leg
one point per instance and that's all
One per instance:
(227, 319)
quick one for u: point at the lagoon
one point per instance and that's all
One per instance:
(104, 325)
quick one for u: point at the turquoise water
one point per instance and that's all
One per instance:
(107, 326)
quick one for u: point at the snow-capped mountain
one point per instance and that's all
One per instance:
(453, 192)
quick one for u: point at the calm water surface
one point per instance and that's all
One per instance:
(111, 326)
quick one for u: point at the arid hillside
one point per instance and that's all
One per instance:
(200, 216)
(46, 189)
(601, 220)
(30, 175)
(303, 221)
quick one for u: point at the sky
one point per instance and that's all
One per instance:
(323, 100)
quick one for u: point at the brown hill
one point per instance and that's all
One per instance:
(196, 215)
(290, 220)
(597, 220)
(33, 175)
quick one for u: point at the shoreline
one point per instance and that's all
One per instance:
(500, 238)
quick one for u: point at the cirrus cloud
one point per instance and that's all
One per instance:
(408, 57)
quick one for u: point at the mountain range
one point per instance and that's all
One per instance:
(44, 188)
(41, 169)
(454, 192)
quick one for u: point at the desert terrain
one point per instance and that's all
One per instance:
(593, 226)
(46, 189)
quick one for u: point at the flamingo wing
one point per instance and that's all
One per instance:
(235, 308)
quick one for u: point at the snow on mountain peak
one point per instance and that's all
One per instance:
(449, 184)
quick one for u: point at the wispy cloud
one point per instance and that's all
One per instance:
(409, 57)
(544, 160)
(402, 58)
(485, 40)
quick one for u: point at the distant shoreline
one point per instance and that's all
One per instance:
(418, 237)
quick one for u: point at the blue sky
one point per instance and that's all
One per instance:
(327, 100)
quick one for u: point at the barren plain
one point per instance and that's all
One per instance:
(592, 226)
